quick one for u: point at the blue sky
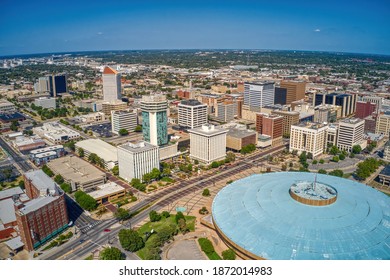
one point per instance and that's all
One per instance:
(64, 26)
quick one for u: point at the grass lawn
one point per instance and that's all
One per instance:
(156, 226)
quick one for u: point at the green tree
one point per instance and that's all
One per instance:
(58, 179)
(71, 145)
(138, 128)
(86, 201)
(81, 152)
(122, 214)
(229, 254)
(165, 214)
(334, 150)
(123, 132)
(356, 149)
(111, 253)
(182, 226)
(341, 156)
(130, 240)
(155, 174)
(115, 170)
(309, 155)
(66, 187)
(322, 171)
(315, 161)
(322, 161)
(215, 164)
(179, 215)
(303, 157)
(337, 173)
(206, 192)
(248, 149)
(166, 233)
(154, 216)
(230, 157)
(335, 159)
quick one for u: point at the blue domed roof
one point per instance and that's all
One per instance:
(259, 215)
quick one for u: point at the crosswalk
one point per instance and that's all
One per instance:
(90, 226)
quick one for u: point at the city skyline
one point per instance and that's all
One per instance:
(99, 26)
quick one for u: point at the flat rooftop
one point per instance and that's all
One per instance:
(7, 211)
(104, 150)
(37, 203)
(75, 169)
(137, 147)
(240, 133)
(105, 190)
(10, 192)
(351, 120)
(40, 180)
(192, 102)
(208, 130)
(46, 149)
(310, 125)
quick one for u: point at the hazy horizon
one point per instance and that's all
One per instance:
(54, 27)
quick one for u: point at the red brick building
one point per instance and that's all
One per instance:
(45, 215)
(271, 125)
(364, 109)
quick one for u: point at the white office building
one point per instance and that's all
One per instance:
(192, 113)
(46, 102)
(137, 159)
(350, 133)
(259, 94)
(56, 132)
(123, 120)
(208, 143)
(111, 85)
(309, 138)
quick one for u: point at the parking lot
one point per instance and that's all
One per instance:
(101, 130)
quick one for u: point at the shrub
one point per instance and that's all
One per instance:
(206, 192)
(229, 254)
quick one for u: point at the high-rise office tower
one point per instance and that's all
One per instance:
(295, 90)
(351, 133)
(111, 85)
(59, 85)
(259, 94)
(192, 113)
(155, 119)
(55, 85)
(346, 101)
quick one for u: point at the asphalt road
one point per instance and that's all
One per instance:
(97, 237)
(19, 160)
